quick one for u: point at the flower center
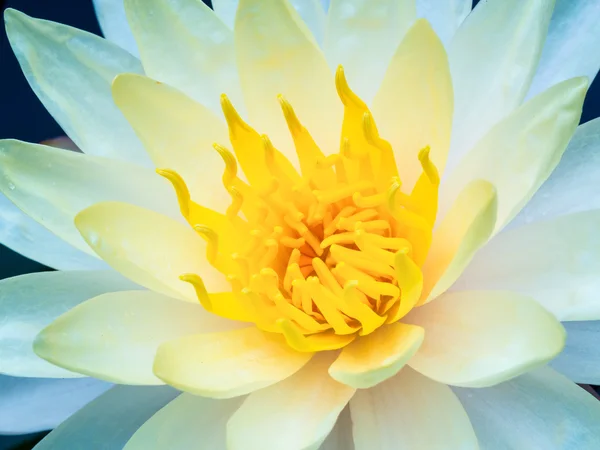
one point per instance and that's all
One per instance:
(321, 256)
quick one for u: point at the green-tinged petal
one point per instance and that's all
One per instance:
(481, 338)
(70, 71)
(114, 336)
(277, 54)
(149, 248)
(109, 421)
(580, 359)
(340, 438)
(225, 10)
(572, 186)
(410, 412)
(227, 364)
(413, 108)
(371, 359)
(467, 226)
(112, 19)
(52, 185)
(183, 43)
(187, 422)
(445, 17)
(296, 414)
(571, 48)
(541, 409)
(493, 57)
(556, 262)
(313, 14)
(521, 151)
(178, 134)
(29, 303)
(376, 28)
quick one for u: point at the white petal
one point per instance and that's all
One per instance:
(225, 10)
(573, 185)
(363, 35)
(410, 412)
(29, 303)
(185, 423)
(445, 17)
(71, 72)
(22, 234)
(313, 14)
(53, 185)
(555, 262)
(539, 410)
(340, 437)
(114, 336)
(183, 43)
(571, 48)
(111, 15)
(295, 414)
(149, 248)
(479, 338)
(519, 153)
(28, 405)
(109, 421)
(493, 57)
(580, 359)
(325, 4)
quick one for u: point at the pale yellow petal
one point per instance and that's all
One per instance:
(228, 364)
(277, 54)
(410, 412)
(413, 108)
(371, 359)
(183, 43)
(481, 338)
(520, 152)
(114, 336)
(445, 17)
(178, 134)
(295, 414)
(149, 248)
(362, 35)
(312, 13)
(52, 185)
(467, 226)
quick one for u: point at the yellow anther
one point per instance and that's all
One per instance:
(272, 247)
(326, 302)
(387, 164)
(372, 225)
(234, 121)
(326, 277)
(347, 96)
(231, 167)
(243, 264)
(369, 320)
(345, 212)
(366, 284)
(369, 201)
(200, 289)
(348, 223)
(212, 242)
(292, 274)
(390, 243)
(300, 285)
(270, 281)
(361, 261)
(289, 242)
(236, 283)
(181, 189)
(312, 343)
(342, 192)
(341, 238)
(410, 281)
(428, 167)
(236, 204)
(362, 241)
(291, 118)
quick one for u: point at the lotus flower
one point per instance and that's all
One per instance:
(358, 228)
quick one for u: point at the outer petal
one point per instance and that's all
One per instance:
(572, 186)
(22, 234)
(53, 185)
(148, 248)
(178, 133)
(479, 338)
(185, 423)
(225, 10)
(109, 421)
(410, 412)
(183, 43)
(363, 35)
(297, 413)
(111, 15)
(580, 360)
(114, 336)
(493, 58)
(71, 71)
(555, 262)
(340, 437)
(520, 152)
(28, 405)
(28, 303)
(445, 17)
(571, 48)
(277, 54)
(313, 14)
(467, 226)
(413, 107)
(371, 359)
(227, 364)
(541, 409)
